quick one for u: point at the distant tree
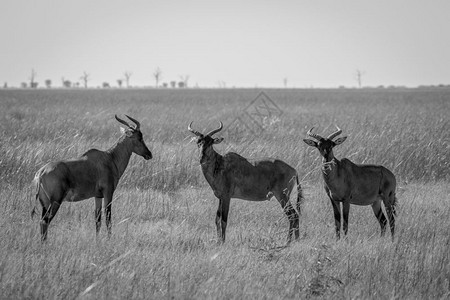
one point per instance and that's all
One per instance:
(165, 85)
(32, 77)
(221, 84)
(105, 85)
(185, 80)
(158, 75)
(5, 85)
(85, 78)
(181, 84)
(127, 76)
(359, 75)
(76, 84)
(119, 82)
(24, 85)
(48, 83)
(66, 83)
(285, 81)
(173, 84)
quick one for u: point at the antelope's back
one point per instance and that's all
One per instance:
(269, 166)
(369, 180)
(256, 179)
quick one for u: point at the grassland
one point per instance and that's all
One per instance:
(164, 243)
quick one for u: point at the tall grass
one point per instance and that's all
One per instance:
(408, 131)
(163, 242)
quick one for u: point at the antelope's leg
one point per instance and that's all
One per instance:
(47, 216)
(391, 220)
(98, 214)
(390, 210)
(292, 215)
(222, 218)
(345, 212)
(108, 204)
(293, 221)
(376, 207)
(337, 217)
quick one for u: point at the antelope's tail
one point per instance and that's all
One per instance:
(37, 186)
(394, 205)
(299, 195)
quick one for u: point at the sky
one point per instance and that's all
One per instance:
(227, 43)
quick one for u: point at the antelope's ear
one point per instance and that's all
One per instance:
(218, 140)
(310, 143)
(340, 140)
(127, 132)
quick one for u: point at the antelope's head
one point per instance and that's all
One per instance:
(325, 145)
(134, 134)
(205, 141)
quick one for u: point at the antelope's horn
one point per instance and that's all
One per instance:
(123, 122)
(192, 130)
(138, 125)
(314, 135)
(216, 130)
(335, 134)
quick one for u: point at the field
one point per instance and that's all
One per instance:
(164, 239)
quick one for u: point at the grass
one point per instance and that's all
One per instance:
(164, 243)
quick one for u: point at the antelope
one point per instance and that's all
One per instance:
(233, 176)
(95, 174)
(349, 183)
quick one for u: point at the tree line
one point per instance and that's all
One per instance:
(124, 81)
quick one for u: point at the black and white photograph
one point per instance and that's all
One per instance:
(224, 149)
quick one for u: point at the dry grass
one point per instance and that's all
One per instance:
(163, 242)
